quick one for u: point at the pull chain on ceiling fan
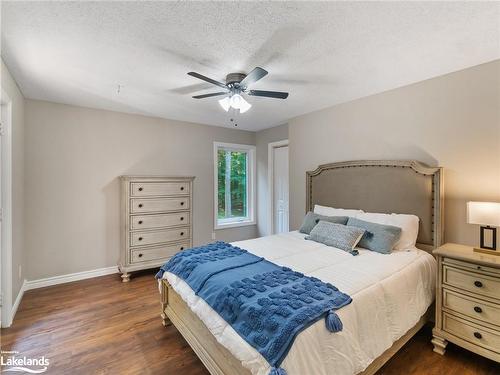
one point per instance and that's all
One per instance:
(236, 85)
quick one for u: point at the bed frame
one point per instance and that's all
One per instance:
(398, 186)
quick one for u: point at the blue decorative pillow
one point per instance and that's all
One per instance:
(336, 235)
(378, 237)
(311, 219)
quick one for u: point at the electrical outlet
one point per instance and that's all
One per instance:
(20, 272)
(213, 235)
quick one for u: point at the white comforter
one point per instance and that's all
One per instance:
(390, 293)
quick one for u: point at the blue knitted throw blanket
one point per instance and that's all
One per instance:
(266, 304)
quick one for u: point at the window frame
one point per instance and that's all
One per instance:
(251, 185)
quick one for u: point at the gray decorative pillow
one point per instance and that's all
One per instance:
(336, 235)
(311, 219)
(378, 237)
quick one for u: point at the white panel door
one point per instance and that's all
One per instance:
(2, 293)
(280, 189)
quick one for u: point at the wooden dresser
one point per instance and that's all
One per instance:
(467, 301)
(156, 220)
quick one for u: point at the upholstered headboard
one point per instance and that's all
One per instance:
(386, 186)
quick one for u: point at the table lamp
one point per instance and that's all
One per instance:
(487, 215)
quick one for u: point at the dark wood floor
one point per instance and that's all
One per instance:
(104, 326)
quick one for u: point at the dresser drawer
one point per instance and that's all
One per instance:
(472, 281)
(144, 189)
(474, 333)
(472, 307)
(138, 205)
(159, 220)
(158, 236)
(157, 253)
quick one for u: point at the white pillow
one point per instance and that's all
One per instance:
(330, 211)
(407, 223)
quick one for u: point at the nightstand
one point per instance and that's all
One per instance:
(467, 301)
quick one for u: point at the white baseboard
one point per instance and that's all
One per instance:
(49, 281)
(16, 303)
(62, 279)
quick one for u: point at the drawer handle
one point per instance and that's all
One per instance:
(182, 233)
(182, 187)
(477, 335)
(479, 284)
(140, 189)
(140, 222)
(182, 218)
(182, 203)
(140, 255)
(182, 247)
(140, 238)
(478, 309)
(140, 205)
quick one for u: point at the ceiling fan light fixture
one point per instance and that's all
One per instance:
(225, 103)
(237, 84)
(235, 101)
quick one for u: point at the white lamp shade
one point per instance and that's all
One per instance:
(244, 106)
(225, 103)
(483, 213)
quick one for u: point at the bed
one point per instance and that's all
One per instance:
(392, 294)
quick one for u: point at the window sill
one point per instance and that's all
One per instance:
(235, 225)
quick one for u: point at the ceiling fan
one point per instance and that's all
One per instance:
(236, 85)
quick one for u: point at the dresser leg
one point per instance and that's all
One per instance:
(439, 344)
(125, 277)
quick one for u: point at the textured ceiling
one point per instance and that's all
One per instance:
(323, 53)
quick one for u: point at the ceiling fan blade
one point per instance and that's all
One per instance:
(253, 77)
(206, 79)
(268, 94)
(211, 94)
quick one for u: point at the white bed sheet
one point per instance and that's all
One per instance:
(390, 293)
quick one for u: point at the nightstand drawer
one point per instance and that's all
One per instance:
(495, 272)
(471, 332)
(472, 307)
(472, 281)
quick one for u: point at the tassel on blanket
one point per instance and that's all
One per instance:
(277, 371)
(333, 322)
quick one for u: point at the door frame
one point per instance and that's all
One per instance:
(270, 178)
(6, 213)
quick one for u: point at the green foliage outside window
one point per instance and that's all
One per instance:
(232, 184)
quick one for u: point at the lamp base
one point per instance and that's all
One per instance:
(486, 251)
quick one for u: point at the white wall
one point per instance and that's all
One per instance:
(451, 121)
(18, 103)
(263, 138)
(74, 156)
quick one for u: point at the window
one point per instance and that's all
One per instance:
(234, 185)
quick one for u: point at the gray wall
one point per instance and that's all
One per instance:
(263, 138)
(18, 103)
(451, 121)
(74, 156)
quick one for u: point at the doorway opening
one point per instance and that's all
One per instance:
(278, 221)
